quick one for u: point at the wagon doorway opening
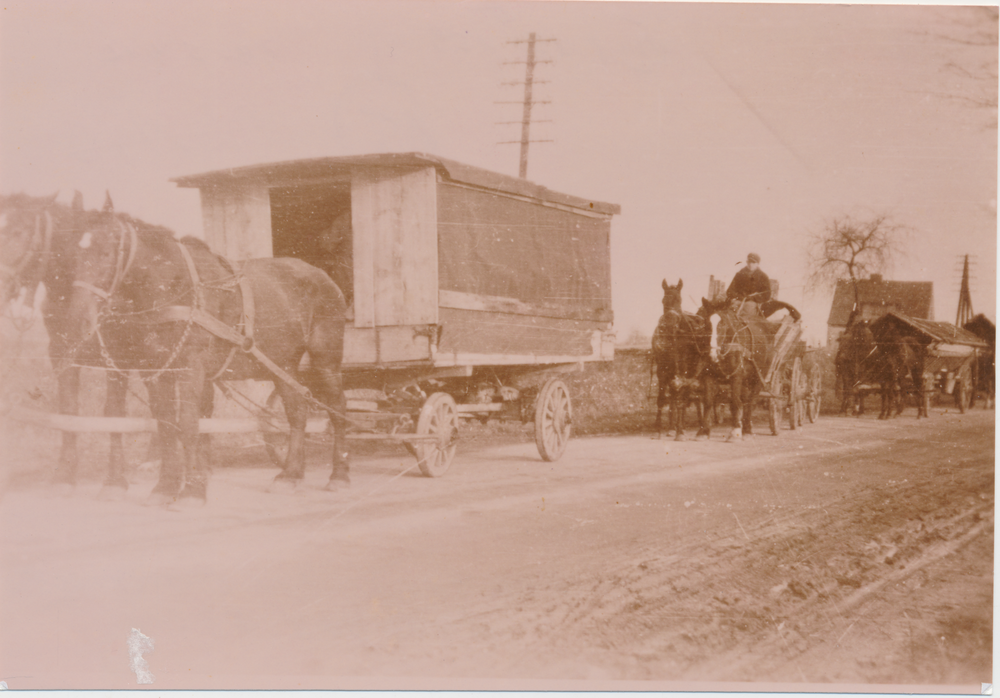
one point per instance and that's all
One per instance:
(313, 223)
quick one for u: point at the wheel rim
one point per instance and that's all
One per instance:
(814, 401)
(553, 420)
(438, 417)
(774, 403)
(795, 395)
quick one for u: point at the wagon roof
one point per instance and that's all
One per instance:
(319, 168)
(937, 331)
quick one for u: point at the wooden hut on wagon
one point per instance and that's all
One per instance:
(445, 266)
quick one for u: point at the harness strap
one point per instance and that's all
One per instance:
(243, 341)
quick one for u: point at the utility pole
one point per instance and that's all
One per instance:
(529, 83)
(964, 314)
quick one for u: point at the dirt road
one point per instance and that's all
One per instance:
(849, 552)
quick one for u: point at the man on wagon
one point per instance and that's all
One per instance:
(752, 284)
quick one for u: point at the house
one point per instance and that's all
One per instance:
(876, 297)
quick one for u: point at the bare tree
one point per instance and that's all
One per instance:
(850, 248)
(969, 37)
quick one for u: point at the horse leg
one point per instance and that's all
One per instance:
(163, 405)
(331, 387)
(69, 403)
(297, 413)
(325, 349)
(190, 385)
(706, 409)
(114, 406)
(917, 375)
(661, 401)
(748, 415)
(736, 411)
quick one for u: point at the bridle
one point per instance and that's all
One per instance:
(123, 262)
(13, 273)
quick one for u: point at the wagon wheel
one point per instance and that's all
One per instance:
(438, 417)
(275, 442)
(813, 401)
(775, 402)
(795, 393)
(553, 419)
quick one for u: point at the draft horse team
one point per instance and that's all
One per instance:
(728, 348)
(126, 296)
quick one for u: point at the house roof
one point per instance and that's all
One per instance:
(292, 171)
(912, 298)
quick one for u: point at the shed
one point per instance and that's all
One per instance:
(442, 264)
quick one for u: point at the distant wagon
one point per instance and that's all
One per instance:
(469, 291)
(952, 355)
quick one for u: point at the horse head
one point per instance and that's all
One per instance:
(712, 312)
(26, 226)
(672, 296)
(105, 249)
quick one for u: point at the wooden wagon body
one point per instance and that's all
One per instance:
(467, 289)
(952, 355)
(449, 265)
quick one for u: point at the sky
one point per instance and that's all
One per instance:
(719, 129)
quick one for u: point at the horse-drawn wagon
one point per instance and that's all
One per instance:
(950, 356)
(468, 292)
(793, 381)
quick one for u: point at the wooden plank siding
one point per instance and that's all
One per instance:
(394, 221)
(537, 255)
(237, 221)
(531, 339)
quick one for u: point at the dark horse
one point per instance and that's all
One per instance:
(680, 367)
(38, 245)
(898, 357)
(738, 344)
(985, 373)
(855, 353)
(185, 317)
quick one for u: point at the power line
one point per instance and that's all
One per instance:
(528, 102)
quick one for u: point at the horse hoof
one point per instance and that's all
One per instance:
(335, 485)
(680, 437)
(192, 491)
(187, 503)
(283, 485)
(734, 436)
(701, 437)
(158, 498)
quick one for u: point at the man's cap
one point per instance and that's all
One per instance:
(753, 257)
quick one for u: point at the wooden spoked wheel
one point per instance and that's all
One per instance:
(776, 401)
(553, 420)
(438, 417)
(795, 393)
(813, 401)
